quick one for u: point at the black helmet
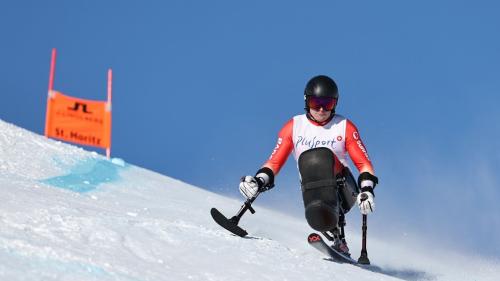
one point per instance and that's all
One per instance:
(321, 86)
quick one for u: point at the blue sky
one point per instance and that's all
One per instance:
(201, 89)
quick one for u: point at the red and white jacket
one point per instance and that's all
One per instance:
(340, 135)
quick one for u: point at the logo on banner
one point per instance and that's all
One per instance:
(77, 106)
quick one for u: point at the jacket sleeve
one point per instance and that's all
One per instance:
(283, 148)
(357, 150)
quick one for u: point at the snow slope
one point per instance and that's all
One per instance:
(68, 214)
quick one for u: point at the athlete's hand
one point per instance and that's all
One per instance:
(249, 186)
(366, 202)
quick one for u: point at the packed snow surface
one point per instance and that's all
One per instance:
(68, 214)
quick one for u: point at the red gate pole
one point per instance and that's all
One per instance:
(51, 87)
(110, 91)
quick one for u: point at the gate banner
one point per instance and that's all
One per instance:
(81, 121)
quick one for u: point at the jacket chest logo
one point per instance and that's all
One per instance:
(315, 142)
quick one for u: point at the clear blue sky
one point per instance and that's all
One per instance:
(201, 89)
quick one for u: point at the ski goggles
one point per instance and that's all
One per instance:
(327, 103)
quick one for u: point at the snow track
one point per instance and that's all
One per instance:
(67, 214)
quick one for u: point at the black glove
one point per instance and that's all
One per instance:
(367, 182)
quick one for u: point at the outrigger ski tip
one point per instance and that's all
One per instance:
(229, 224)
(232, 223)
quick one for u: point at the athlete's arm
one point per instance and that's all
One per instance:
(284, 147)
(264, 178)
(357, 150)
(366, 179)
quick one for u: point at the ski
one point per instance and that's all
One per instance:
(319, 244)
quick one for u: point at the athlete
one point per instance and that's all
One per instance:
(320, 139)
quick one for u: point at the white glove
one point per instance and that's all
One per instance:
(249, 186)
(366, 202)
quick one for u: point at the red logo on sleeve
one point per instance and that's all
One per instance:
(355, 135)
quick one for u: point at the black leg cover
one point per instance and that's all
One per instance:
(319, 188)
(348, 189)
